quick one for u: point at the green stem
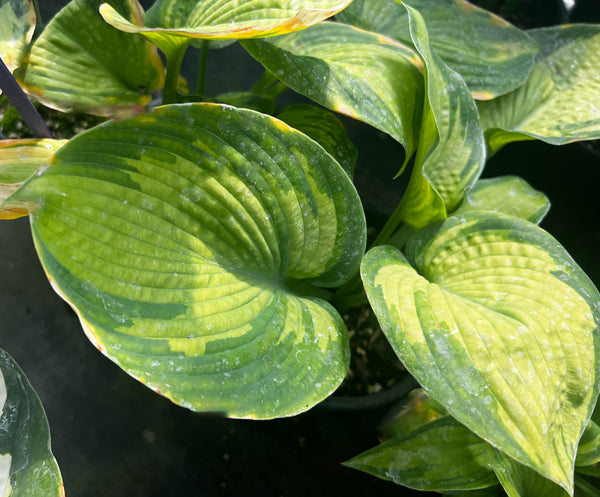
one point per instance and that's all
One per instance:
(174, 60)
(401, 236)
(350, 294)
(39, 23)
(390, 226)
(276, 90)
(202, 66)
(264, 83)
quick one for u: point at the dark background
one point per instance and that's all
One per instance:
(114, 437)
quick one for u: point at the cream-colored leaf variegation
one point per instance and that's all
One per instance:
(170, 23)
(19, 159)
(560, 102)
(27, 465)
(17, 23)
(195, 244)
(498, 323)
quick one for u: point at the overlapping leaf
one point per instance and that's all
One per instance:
(190, 242)
(451, 149)
(19, 159)
(500, 326)
(509, 195)
(491, 55)
(326, 129)
(518, 480)
(440, 455)
(81, 63)
(17, 23)
(560, 102)
(363, 75)
(27, 466)
(170, 23)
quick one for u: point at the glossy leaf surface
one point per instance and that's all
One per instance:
(499, 324)
(559, 103)
(17, 23)
(177, 22)
(440, 455)
(508, 195)
(81, 63)
(323, 127)
(27, 466)
(362, 75)
(491, 55)
(192, 242)
(451, 149)
(19, 159)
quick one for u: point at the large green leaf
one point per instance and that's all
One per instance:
(81, 63)
(559, 103)
(509, 195)
(451, 149)
(499, 324)
(19, 159)
(17, 23)
(363, 75)
(491, 55)
(190, 241)
(170, 23)
(27, 466)
(438, 456)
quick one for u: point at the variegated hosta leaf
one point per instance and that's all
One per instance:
(177, 22)
(560, 102)
(19, 159)
(189, 242)
(363, 75)
(323, 127)
(17, 23)
(499, 324)
(451, 149)
(509, 195)
(520, 481)
(438, 456)
(81, 63)
(491, 55)
(27, 466)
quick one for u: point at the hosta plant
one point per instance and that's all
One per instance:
(210, 243)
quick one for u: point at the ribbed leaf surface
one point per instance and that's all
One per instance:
(491, 55)
(499, 324)
(17, 22)
(363, 75)
(509, 195)
(190, 240)
(81, 63)
(19, 159)
(560, 102)
(27, 466)
(174, 22)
